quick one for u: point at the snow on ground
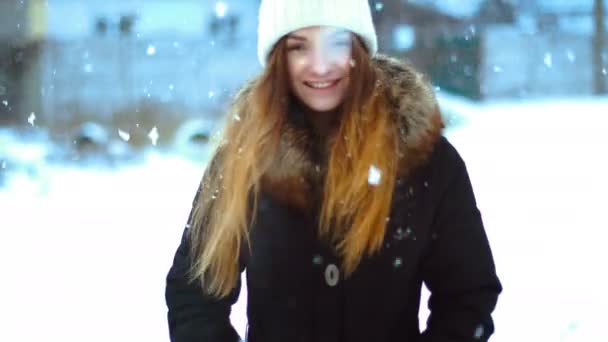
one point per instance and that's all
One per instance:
(84, 252)
(86, 260)
(540, 172)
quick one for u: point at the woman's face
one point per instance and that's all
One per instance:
(319, 63)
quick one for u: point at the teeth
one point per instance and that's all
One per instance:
(320, 85)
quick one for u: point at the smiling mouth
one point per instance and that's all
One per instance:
(322, 85)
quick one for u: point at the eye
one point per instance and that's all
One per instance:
(295, 47)
(342, 43)
(339, 47)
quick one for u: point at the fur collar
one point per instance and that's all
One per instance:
(296, 175)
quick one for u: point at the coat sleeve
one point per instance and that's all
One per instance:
(459, 270)
(194, 316)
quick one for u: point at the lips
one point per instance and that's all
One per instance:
(322, 85)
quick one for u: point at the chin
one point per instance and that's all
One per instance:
(322, 107)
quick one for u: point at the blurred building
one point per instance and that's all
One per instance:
(146, 63)
(136, 64)
(495, 48)
(21, 28)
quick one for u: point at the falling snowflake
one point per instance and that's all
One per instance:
(88, 68)
(237, 117)
(548, 60)
(379, 6)
(153, 135)
(497, 69)
(401, 234)
(374, 176)
(5, 103)
(32, 118)
(317, 260)
(171, 87)
(151, 51)
(3, 165)
(124, 135)
(571, 56)
(210, 94)
(604, 71)
(221, 9)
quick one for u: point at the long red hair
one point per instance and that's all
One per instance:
(354, 211)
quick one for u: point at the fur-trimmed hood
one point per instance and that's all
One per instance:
(296, 173)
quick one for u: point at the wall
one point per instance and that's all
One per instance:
(12, 20)
(170, 60)
(518, 64)
(22, 24)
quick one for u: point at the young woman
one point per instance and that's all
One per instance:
(336, 192)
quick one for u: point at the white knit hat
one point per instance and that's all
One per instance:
(280, 17)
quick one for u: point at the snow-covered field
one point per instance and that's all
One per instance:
(540, 172)
(84, 252)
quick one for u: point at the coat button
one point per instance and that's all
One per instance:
(332, 275)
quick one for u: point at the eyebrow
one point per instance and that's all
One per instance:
(296, 37)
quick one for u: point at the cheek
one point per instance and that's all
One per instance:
(343, 59)
(346, 64)
(295, 64)
(294, 68)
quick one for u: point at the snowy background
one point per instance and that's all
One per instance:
(84, 251)
(88, 228)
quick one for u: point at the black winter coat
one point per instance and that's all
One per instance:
(296, 292)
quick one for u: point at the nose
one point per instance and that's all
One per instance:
(321, 62)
